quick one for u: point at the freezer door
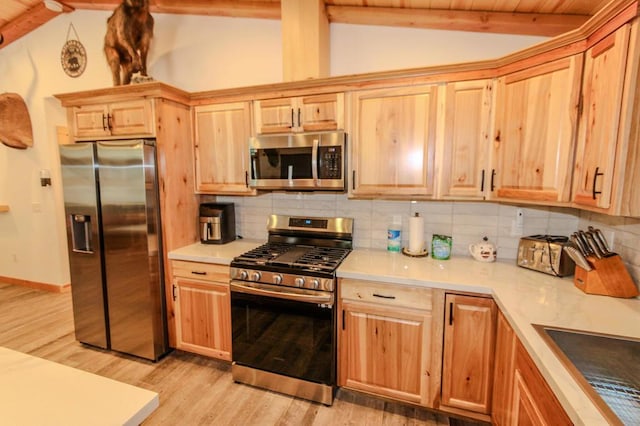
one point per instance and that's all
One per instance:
(83, 238)
(132, 248)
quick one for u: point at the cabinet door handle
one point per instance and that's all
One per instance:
(595, 178)
(482, 181)
(493, 175)
(173, 292)
(353, 180)
(104, 122)
(451, 313)
(198, 273)
(299, 118)
(292, 122)
(110, 121)
(382, 296)
(246, 179)
(343, 318)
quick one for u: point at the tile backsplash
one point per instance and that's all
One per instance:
(466, 222)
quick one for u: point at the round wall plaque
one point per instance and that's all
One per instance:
(73, 58)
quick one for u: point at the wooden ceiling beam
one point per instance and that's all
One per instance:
(229, 8)
(27, 22)
(458, 20)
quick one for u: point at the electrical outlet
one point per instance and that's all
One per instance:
(520, 218)
(517, 224)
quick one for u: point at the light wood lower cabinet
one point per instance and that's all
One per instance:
(521, 396)
(469, 342)
(202, 308)
(388, 340)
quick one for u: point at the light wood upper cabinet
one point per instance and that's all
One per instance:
(602, 139)
(393, 142)
(469, 343)
(521, 396)
(221, 148)
(202, 308)
(465, 143)
(300, 114)
(126, 118)
(534, 136)
(387, 340)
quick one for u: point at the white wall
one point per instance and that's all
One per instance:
(197, 53)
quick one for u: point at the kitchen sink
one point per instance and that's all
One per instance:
(606, 367)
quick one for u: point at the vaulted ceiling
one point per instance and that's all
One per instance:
(531, 17)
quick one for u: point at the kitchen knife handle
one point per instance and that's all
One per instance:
(595, 179)
(593, 245)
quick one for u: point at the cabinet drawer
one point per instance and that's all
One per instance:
(201, 271)
(386, 294)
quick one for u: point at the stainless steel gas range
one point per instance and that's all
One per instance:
(283, 307)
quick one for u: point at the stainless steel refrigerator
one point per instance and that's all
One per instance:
(115, 246)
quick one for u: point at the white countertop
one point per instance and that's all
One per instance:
(525, 297)
(34, 391)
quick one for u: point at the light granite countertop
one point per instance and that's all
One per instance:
(525, 297)
(36, 391)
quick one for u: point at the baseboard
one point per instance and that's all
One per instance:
(37, 285)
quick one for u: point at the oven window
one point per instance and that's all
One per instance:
(282, 163)
(295, 339)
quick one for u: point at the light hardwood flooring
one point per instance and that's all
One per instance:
(194, 390)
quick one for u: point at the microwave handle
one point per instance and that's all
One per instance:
(314, 159)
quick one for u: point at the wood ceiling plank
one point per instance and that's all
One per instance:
(27, 22)
(495, 22)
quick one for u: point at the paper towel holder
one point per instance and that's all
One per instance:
(423, 252)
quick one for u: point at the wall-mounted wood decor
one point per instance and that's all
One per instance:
(15, 123)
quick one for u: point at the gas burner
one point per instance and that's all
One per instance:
(301, 252)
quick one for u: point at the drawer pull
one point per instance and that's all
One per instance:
(198, 273)
(382, 296)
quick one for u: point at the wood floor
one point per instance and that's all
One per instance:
(193, 390)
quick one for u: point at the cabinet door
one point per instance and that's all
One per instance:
(598, 135)
(521, 396)
(131, 118)
(393, 142)
(465, 162)
(469, 342)
(321, 112)
(533, 401)
(89, 121)
(221, 148)
(385, 351)
(203, 317)
(275, 115)
(536, 124)
(128, 118)
(504, 368)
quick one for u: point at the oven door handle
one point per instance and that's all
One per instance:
(257, 289)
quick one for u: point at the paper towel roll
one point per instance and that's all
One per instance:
(416, 234)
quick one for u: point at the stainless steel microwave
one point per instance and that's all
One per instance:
(299, 161)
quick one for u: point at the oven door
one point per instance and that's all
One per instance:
(284, 331)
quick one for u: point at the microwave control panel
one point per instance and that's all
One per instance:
(330, 162)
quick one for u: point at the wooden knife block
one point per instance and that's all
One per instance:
(609, 277)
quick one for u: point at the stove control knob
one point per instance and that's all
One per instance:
(315, 283)
(255, 276)
(299, 282)
(277, 279)
(243, 275)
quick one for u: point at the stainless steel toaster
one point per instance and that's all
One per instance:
(544, 253)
